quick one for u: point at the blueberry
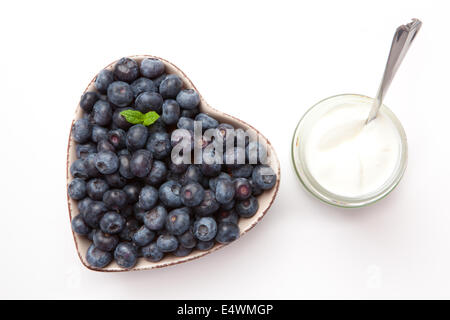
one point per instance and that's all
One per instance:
(117, 138)
(159, 144)
(96, 188)
(132, 191)
(169, 193)
(170, 86)
(256, 152)
(264, 177)
(167, 243)
(204, 245)
(205, 229)
(137, 137)
(83, 205)
(227, 216)
(125, 255)
(93, 213)
(131, 226)
(157, 174)
(188, 99)
(224, 191)
(148, 197)
(79, 226)
(210, 167)
(115, 199)
(98, 258)
(247, 208)
(99, 133)
(185, 123)
(177, 221)
(208, 122)
(89, 165)
(115, 180)
(192, 194)
(88, 116)
(105, 241)
(234, 157)
(141, 163)
(120, 94)
(82, 130)
(155, 219)
(228, 206)
(104, 145)
(84, 149)
(157, 81)
(177, 168)
(213, 181)
(204, 181)
(244, 171)
(124, 166)
(142, 85)
(143, 236)
(106, 162)
(211, 170)
(149, 101)
(119, 120)
(103, 80)
(139, 212)
(192, 174)
(174, 177)
(77, 189)
(157, 126)
(182, 251)
(87, 100)
(152, 68)
(187, 239)
(242, 188)
(102, 113)
(209, 204)
(78, 169)
(227, 232)
(112, 223)
(126, 69)
(189, 113)
(170, 112)
(152, 253)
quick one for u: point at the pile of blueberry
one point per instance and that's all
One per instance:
(133, 200)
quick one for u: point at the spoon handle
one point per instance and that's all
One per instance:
(403, 37)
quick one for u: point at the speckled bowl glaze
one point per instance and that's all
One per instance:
(265, 200)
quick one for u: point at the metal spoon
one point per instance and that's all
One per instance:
(403, 37)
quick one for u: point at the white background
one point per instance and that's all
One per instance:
(267, 63)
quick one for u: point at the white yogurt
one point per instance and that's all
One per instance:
(347, 157)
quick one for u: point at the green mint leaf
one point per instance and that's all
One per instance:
(133, 116)
(137, 117)
(150, 117)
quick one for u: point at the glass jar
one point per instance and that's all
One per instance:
(300, 164)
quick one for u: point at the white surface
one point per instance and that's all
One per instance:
(345, 155)
(267, 63)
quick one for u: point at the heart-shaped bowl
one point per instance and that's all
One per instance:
(265, 200)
